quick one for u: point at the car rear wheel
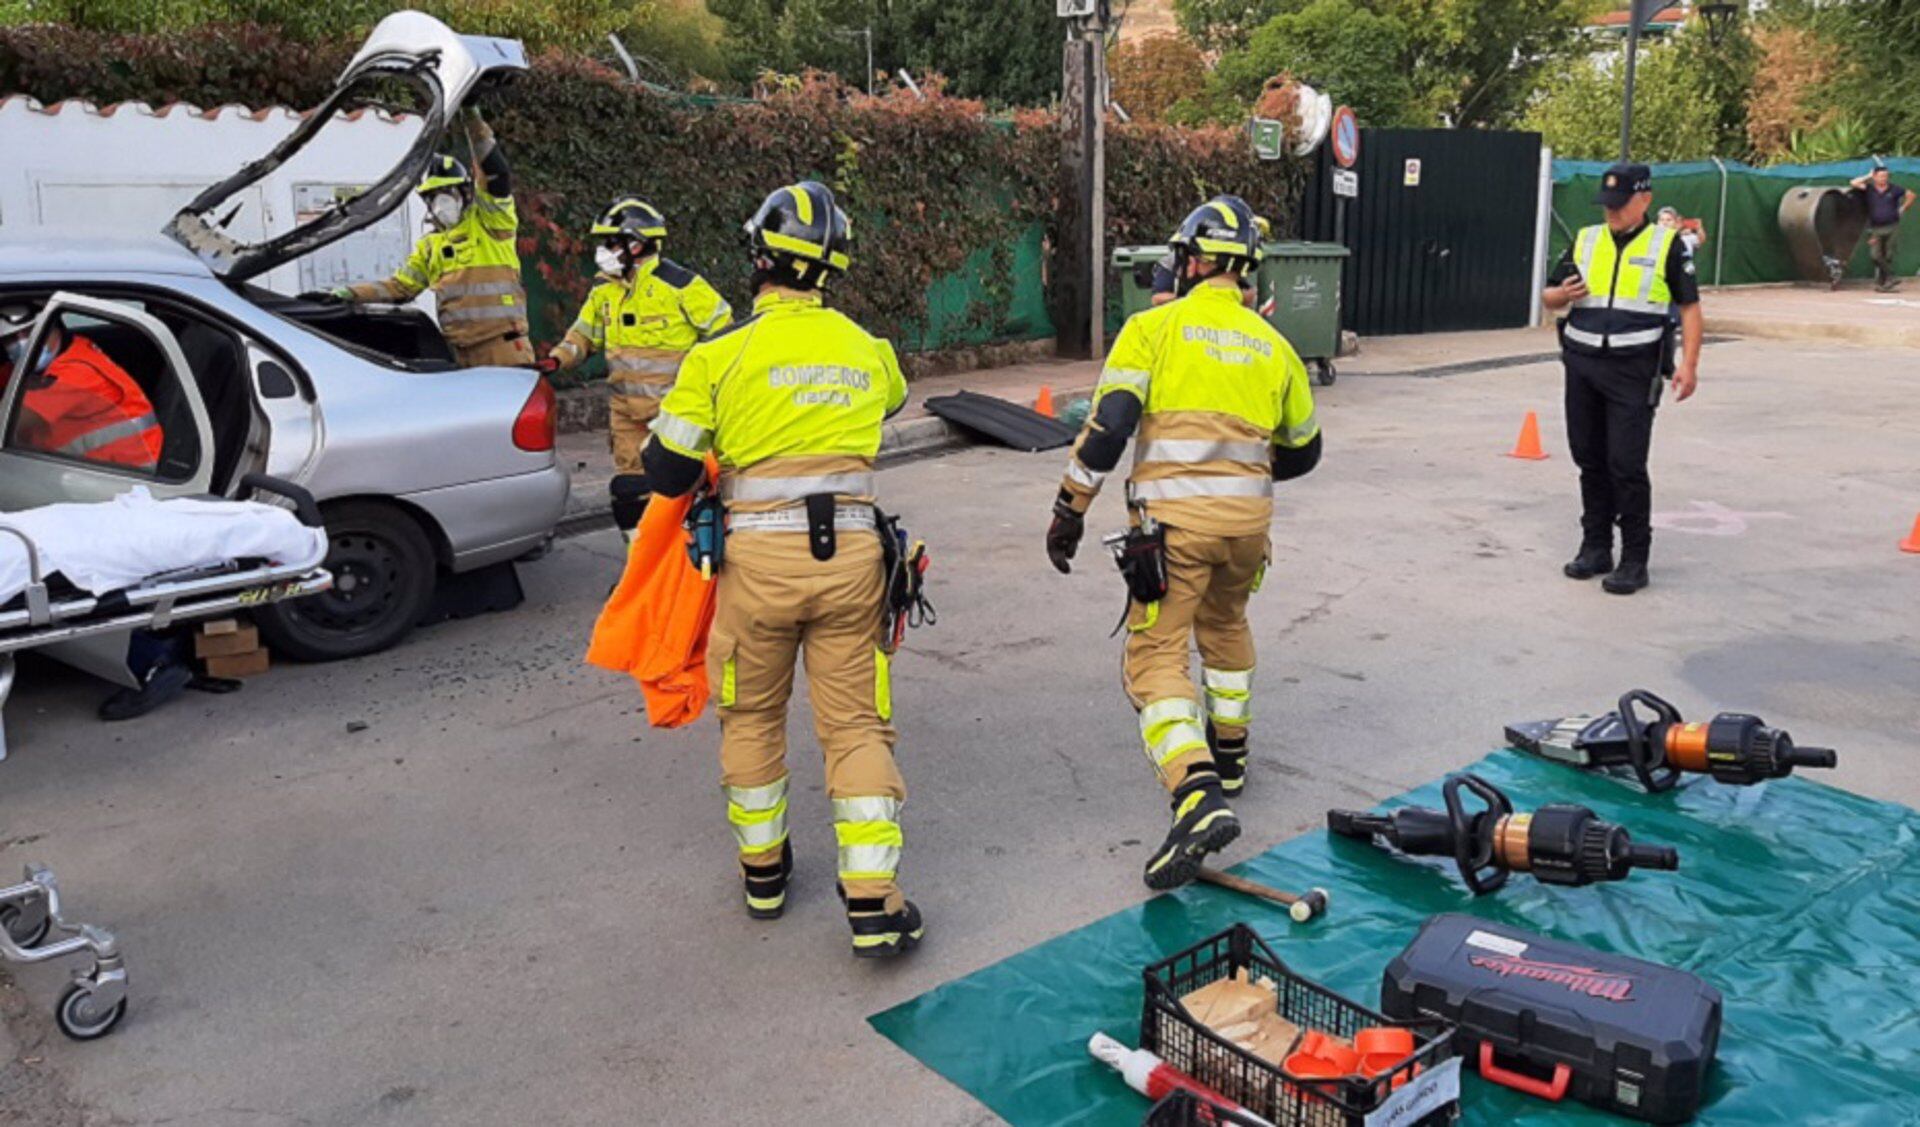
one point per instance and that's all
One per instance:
(383, 576)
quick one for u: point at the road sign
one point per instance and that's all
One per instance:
(1346, 137)
(1269, 138)
(1411, 178)
(1346, 182)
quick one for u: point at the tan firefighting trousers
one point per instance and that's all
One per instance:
(496, 352)
(1209, 579)
(629, 420)
(776, 602)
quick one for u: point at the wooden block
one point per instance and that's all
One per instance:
(233, 643)
(250, 664)
(1230, 1002)
(220, 626)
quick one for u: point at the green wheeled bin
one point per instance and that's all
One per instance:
(1300, 296)
(1134, 265)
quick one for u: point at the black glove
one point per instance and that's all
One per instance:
(323, 297)
(1063, 536)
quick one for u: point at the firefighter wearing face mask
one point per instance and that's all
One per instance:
(467, 258)
(1223, 410)
(645, 314)
(790, 401)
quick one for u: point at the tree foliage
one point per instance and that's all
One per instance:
(1467, 62)
(1007, 54)
(1150, 75)
(1337, 46)
(566, 23)
(1793, 64)
(1673, 116)
(1876, 85)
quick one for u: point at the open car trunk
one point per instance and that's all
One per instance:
(401, 334)
(444, 67)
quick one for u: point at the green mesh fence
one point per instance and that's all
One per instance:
(1744, 242)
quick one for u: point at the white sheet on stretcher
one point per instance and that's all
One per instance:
(108, 545)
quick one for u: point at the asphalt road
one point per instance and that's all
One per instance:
(506, 901)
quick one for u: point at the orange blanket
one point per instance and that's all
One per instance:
(654, 626)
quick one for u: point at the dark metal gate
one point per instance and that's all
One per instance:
(1441, 245)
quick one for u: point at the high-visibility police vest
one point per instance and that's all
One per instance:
(473, 270)
(1627, 303)
(646, 325)
(1218, 389)
(791, 402)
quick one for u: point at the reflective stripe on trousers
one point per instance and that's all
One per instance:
(868, 830)
(1171, 728)
(758, 814)
(1229, 696)
(108, 435)
(796, 488)
(1174, 488)
(795, 520)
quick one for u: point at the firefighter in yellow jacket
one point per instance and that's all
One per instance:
(1222, 410)
(467, 258)
(790, 400)
(645, 313)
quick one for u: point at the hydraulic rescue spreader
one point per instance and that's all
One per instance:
(1558, 844)
(1734, 747)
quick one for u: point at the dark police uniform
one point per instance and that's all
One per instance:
(1614, 344)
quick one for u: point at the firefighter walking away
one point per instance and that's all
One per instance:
(790, 401)
(1222, 410)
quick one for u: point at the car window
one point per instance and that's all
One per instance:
(101, 391)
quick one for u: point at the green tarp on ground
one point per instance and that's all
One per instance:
(1799, 901)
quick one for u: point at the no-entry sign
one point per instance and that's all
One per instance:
(1346, 137)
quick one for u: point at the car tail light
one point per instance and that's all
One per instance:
(533, 430)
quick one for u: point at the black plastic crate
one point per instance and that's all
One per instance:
(1167, 1029)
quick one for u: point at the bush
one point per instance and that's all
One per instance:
(1334, 45)
(1150, 75)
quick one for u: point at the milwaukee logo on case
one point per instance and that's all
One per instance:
(1591, 981)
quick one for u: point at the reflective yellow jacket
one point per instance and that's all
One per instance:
(646, 325)
(790, 400)
(1218, 388)
(473, 270)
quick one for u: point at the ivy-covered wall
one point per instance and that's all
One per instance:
(952, 209)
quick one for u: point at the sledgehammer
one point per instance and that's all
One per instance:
(1301, 908)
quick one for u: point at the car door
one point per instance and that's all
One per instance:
(130, 374)
(443, 67)
(285, 400)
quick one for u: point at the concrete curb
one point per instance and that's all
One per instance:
(1865, 336)
(913, 437)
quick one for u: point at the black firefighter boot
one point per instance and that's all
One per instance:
(766, 885)
(878, 933)
(1202, 824)
(1230, 760)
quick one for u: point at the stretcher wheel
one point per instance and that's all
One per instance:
(21, 928)
(81, 1020)
(1326, 371)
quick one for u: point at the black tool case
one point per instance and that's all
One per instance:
(1554, 1019)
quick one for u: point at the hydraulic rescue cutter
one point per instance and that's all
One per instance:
(1558, 844)
(1733, 747)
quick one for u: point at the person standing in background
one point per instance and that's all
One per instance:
(1886, 203)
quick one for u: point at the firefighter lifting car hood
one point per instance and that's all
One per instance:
(445, 66)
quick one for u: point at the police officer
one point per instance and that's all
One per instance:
(645, 313)
(468, 258)
(1621, 279)
(790, 400)
(1223, 409)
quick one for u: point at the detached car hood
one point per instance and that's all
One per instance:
(409, 45)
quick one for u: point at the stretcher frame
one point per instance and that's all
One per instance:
(155, 603)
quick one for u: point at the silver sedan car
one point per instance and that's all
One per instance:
(424, 470)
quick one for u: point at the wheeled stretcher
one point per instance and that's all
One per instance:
(96, 999)
(268, 566)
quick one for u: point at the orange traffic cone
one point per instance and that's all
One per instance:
(1528, 446)
(1912, 542)
(1044, 404)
